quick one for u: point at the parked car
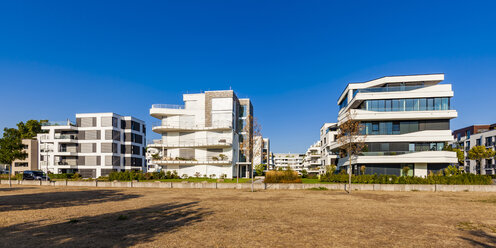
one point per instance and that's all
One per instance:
(34, 175)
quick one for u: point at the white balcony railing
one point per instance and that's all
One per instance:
(168, 106)
(212, 141)
(191, 125)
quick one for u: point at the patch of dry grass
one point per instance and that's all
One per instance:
(89, 217)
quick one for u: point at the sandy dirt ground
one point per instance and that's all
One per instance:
(88, 217)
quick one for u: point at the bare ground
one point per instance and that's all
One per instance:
(89, 217)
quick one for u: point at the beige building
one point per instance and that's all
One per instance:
(31, 160)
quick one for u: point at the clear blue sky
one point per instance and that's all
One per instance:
(293, 59)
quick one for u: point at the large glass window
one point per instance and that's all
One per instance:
(445, 103)
(430, 103)
(422, 104)
(437, 103)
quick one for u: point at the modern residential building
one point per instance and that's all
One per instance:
(477, 135)
(312, 159)
(95, 145)
(261, 150)
(328, 133)
(204, 136)
(293, 161)
(31, 160)
(406, 120)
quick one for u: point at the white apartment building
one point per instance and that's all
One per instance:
(288, 160)
(203, 136)
(328, 133)
(406, 120)
(312, 159)
(94, 146)
(477, 135)
(261, 151)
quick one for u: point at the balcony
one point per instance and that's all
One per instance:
(390, 89)
(171, 126)
(201, 142)
(66, 138)
(161, 110)
(58, 124)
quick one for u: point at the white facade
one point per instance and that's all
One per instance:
(312, 159)
(288, 160)
(328, 133)
(202, 137)
(261, 147)
(406, 120)
(94, 146)
(467, 141)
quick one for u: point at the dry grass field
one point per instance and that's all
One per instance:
(88, 217)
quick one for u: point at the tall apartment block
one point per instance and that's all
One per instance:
(477, 135)
(31, 160)
(95, 145)
(406, 120)
(203, 136)
(328, 133)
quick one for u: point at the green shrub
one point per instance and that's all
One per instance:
(464, 178)
(286, 176)
(137, 175)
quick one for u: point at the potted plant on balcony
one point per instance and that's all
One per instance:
(222, 157)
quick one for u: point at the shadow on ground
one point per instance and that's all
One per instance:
(118, 229)
(14, 189)
(60, 199)
(483, 239)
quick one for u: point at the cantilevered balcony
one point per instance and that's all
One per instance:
(211, 142)
(174, 126)
(59, 125)
(162, 110)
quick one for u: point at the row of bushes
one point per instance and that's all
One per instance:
(465, 178)
(286, 176)
(136, 175)
(65, 176)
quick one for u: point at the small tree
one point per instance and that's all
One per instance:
(406, 169)
(259, 168)
(11, 148)
(304, 173)
(459, 153)
(362, 169)
(250, 130)
(479, 153)
(351, 140)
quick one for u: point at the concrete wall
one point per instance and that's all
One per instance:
(262, 186)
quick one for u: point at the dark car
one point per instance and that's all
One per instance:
(34, 175)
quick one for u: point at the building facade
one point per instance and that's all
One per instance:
(312, 159)
(285, 161)
(405, 120)
(261, 150)
(95, 145)
(328, 133)
(207, 136)
(477, 135)
(31, 160)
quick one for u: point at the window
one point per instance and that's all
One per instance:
(396, 127)
(437, 103)
(410, 104)
(445, 103)
(422, 104)
(430, 103)
(396, 105)
(389, 105)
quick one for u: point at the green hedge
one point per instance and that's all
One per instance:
(136, 175)
(65, 176)
(468, 179)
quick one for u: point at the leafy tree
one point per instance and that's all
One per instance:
(30, 129)
(459, 153)
(352, 141)
(11, 148)
(479, 153)
(304, 173)
(260, 169)
(406, 169)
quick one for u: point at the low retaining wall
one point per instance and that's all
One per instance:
(262, 186)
